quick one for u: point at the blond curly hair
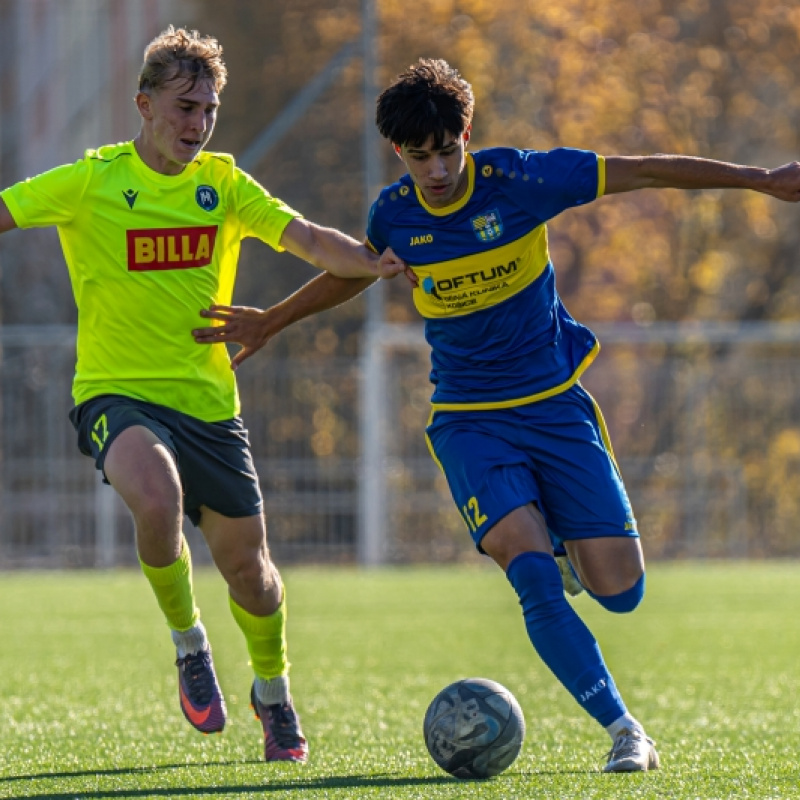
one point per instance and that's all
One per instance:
(178, 53)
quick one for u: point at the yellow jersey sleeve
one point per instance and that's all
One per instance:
(52, 198)
(259, 213)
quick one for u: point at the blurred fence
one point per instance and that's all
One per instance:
(705, 422)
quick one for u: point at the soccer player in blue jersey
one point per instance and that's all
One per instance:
(151, 231)
(523, 445)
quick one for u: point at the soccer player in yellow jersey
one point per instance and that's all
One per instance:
(523, 446)
(151, 232)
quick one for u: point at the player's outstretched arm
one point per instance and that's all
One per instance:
(337, 253)
(252, 328)
(627, 173)
(6, 220)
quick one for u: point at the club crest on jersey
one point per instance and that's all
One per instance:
(207, 197)
(488, 226)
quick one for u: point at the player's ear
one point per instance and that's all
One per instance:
(467, 134)
(398, 151)
(144, 104)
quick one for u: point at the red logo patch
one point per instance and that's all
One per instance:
(170, 248)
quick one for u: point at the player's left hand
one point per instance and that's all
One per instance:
(251, 328)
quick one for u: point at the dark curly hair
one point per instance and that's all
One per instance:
(429, 98)
(178, 53)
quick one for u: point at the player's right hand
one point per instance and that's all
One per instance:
(390, 264)
(249, 327)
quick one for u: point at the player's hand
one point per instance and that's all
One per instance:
(784, 182)
(411, 277)
(391, 265)
(251, 328)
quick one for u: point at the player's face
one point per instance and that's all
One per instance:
(178, 120)
(440, 174)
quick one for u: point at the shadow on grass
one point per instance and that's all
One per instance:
(299, 784)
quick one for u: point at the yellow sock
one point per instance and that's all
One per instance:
(172, 586)
(266, 639)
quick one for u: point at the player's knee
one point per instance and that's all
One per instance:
(624, 602)
(157, 518)
(537, 582)
(245, 574)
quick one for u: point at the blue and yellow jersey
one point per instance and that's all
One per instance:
(145, 253)
(499, 333)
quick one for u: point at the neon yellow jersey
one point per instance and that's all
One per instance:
(145, 253)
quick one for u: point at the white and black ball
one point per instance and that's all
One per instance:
(474, 728)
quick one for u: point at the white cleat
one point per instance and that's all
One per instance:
(633, 751)
(572, 586)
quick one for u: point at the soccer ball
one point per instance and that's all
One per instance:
(474, 728)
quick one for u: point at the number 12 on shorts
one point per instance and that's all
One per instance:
(472, 514)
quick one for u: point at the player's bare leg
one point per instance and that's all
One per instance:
(143, 471)
(257, 598)
(238, 546)
(608, 565)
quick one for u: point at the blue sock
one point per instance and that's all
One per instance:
(561, 639)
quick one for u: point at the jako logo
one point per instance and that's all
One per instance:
(170, 248)
(598, 687)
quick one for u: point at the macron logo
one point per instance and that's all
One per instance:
(130, 197)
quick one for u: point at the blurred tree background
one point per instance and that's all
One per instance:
(629, 77)
(715, 79)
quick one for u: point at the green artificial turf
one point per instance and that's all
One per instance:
(89, 696)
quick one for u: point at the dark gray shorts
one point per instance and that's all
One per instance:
(213, 458)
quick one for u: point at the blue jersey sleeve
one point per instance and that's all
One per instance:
(556, 180)
(375, 237)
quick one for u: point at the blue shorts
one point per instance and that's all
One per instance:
(555, 453)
